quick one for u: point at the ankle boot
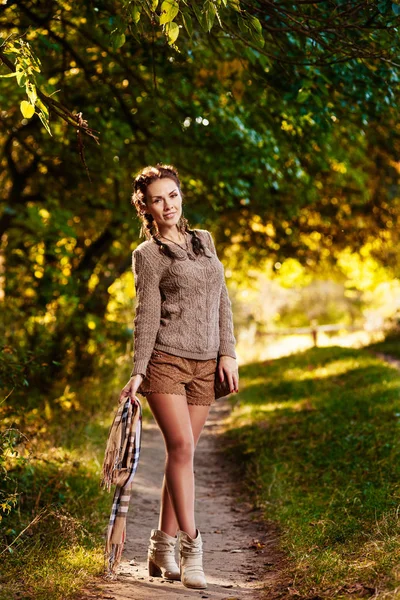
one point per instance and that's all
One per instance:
(191, 560)
(161, 555)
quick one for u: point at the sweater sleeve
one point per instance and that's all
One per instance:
(148, 311)
(227, 339)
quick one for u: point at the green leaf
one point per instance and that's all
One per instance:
(322, 88)
(169, 10)
(200, 17)
(318, 100)
(135, 13)
(45, 122)
(154, 4)
(118, 40)
(42, 107)
(219, 18)
(254, 28)
(243, 25)
(235, 4)
(21, 76)
(255, 24)
(172, 31)
(209, 11)
(187, 22)
(31, 92)
(27, 109)
(396, 9)
(303, 95)
(257, 38)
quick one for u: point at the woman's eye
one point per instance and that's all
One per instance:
(159, 199)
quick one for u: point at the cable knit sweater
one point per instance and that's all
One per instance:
(182, 306)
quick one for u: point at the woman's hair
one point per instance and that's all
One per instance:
(149, 228)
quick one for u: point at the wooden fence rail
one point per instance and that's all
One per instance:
(313, 330)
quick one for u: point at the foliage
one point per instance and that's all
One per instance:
(53, 536)
(316, 436)
(288, 181)
(26, 64)
(9, 439)
(293, 34)
(357, 291)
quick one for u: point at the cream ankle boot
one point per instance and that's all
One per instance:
(191, 560)
(161, 555)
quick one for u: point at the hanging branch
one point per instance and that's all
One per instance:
(38, 102)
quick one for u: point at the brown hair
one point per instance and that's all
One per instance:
(149, 228)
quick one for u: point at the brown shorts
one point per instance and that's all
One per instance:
(190, 377)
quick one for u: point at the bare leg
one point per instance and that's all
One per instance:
(168, 521)
(181, 426)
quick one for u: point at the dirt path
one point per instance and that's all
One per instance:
(239, 554)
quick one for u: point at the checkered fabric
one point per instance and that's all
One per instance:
(119, 467)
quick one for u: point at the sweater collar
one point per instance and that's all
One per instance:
(181, 253)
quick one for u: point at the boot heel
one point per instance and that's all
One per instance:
(154, 571)
(161, 556)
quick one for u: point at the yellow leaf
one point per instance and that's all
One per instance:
(169, 10)
(27, 109)
(172, 30)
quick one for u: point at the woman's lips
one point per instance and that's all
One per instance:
(169, 215)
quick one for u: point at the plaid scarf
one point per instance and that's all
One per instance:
(119, 467)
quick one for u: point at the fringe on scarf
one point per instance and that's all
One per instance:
(112, 556)
(119, 467)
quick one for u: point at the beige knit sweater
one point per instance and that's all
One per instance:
(182, 306)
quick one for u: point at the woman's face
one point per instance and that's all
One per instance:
(164, 203)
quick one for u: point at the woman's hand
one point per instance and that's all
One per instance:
(131, 387)
(228, 366)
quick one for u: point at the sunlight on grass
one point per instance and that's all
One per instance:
(333, 369)
(59, 575)
(317, 438)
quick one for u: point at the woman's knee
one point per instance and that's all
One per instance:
(181, 448)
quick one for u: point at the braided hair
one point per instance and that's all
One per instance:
(149, 228)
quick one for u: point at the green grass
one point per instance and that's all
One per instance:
(317, 438)
(61, 506)
(390, 345)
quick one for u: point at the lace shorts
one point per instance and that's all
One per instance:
(190, 377)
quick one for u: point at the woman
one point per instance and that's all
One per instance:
(183, 322)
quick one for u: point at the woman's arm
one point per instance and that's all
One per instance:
(227, 337)
(148, 311)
